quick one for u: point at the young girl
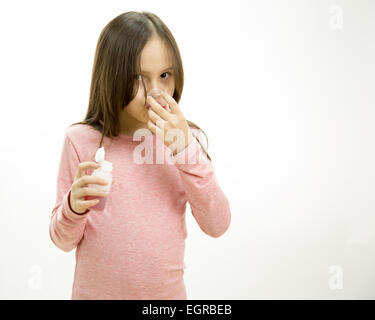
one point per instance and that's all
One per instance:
(134, 248)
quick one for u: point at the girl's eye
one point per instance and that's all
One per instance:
(139, 77)
(166, 73)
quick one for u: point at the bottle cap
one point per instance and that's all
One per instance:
(99, 156)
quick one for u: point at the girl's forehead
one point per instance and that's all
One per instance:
(155, 56)
(156, 69)
(155, 66)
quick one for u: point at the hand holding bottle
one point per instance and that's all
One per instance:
(79, 188)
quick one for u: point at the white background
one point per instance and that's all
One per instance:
(284, 91)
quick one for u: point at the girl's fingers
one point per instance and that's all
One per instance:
(156, 118)
(90, 179)
(84, 204)
(160, 111)
(91, 192)
(83, 166)
(174, 107)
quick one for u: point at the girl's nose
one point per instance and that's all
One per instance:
(155, 84)
(153, 89)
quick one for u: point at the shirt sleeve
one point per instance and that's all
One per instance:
(66, 226)
(208, 203)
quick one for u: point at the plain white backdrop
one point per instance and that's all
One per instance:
(284, 91)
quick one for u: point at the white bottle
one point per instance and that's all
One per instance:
(104, 172)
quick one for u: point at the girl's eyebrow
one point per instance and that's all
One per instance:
(169, 68)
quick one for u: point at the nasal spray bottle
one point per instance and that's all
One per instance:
(104, 172)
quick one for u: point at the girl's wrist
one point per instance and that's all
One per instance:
(189, 141)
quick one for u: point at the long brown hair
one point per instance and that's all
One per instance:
(117, 64)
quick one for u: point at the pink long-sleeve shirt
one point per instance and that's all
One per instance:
(135, 248)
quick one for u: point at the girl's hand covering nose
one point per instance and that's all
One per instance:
(167, 125)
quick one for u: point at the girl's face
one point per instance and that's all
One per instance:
(157, 72)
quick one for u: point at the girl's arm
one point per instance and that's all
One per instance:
(208, 203)
(66, 227)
